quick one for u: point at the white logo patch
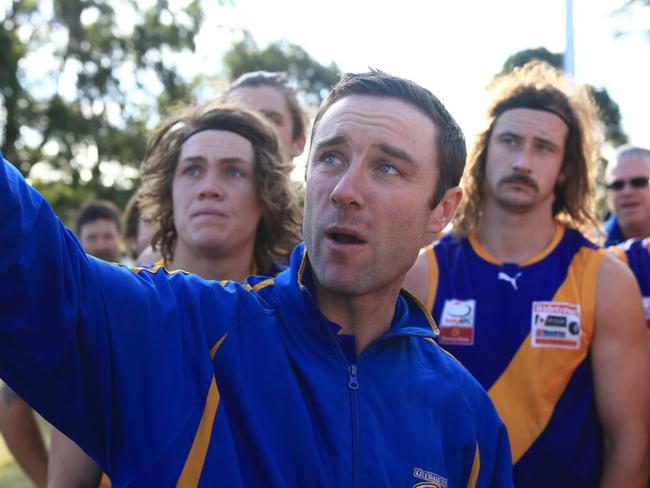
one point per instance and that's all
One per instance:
(512, 280)
(457, 322)
(555, 325)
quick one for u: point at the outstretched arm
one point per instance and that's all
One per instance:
(621, 366)
(96, 348)
(22, 435)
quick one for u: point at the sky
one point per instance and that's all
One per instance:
(452, 47)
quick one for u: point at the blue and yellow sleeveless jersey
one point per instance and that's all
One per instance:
(636, 254)
(166, 379)
(525, 332)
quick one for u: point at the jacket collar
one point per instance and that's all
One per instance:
(299, 308)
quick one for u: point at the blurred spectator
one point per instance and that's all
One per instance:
(628, 195)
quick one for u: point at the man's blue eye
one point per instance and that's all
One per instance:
(192, 171)
(387, 168)
(234, 172)
(329, 158)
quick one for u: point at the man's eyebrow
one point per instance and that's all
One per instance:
(193, 159)
(395, 152)
(270, 113)
(508, 133)
(332, 142)
(227, 160)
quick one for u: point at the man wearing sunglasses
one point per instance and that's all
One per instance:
(628, 195)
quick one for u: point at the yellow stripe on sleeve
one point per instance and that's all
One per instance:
(191, 473)
(476, 468)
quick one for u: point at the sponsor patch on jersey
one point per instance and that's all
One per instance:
(431, 480)
(457, 322)
(555, 325)
(646, 307)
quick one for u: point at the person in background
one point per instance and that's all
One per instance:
(628, 195)
(272, 95)
(137, 231)
(98, 228)
(636, 254)
(215, 187)
(549, 324)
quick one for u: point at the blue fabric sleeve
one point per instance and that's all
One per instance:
(101, 351)
(494, 450)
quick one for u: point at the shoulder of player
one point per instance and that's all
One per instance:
(451, 371)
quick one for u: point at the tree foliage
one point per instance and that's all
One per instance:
(82, 83)
(608, 109)
(312, 78)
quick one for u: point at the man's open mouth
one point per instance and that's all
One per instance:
(341, 238)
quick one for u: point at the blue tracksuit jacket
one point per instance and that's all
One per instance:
(168, 379)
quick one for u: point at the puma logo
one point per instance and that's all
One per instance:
(509, 279)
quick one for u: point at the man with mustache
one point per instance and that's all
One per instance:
(327, 375)
(551, 326)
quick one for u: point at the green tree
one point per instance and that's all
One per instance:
(312, 78)
(608, 109)
(82, 83)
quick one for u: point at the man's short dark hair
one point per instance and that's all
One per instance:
(449, 142)
(280, 82)
(98, 210)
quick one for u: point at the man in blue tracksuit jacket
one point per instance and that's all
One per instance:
(327, 375)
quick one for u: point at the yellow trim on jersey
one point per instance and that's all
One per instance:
(483, 253)
(528, 390)
(191, 473)
(433, 277)
(263, 284)
(476, 467)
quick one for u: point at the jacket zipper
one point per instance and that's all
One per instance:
(353, 386)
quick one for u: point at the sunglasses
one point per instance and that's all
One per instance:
(637, 182)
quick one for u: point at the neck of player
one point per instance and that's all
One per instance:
(515, 237)
(235, 266)
(366, 316)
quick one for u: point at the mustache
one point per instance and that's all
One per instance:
(521, 179)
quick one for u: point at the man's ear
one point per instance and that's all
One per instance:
(444, 211)
(297, 146)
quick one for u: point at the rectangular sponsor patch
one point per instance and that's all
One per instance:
(555, 325)
(457, 322)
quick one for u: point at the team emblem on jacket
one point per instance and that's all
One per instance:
(431, 480)
(457, 322)
(555, 325)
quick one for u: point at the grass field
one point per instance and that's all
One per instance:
(11, 476)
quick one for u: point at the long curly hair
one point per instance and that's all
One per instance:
(279, 228)
(537, 85)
